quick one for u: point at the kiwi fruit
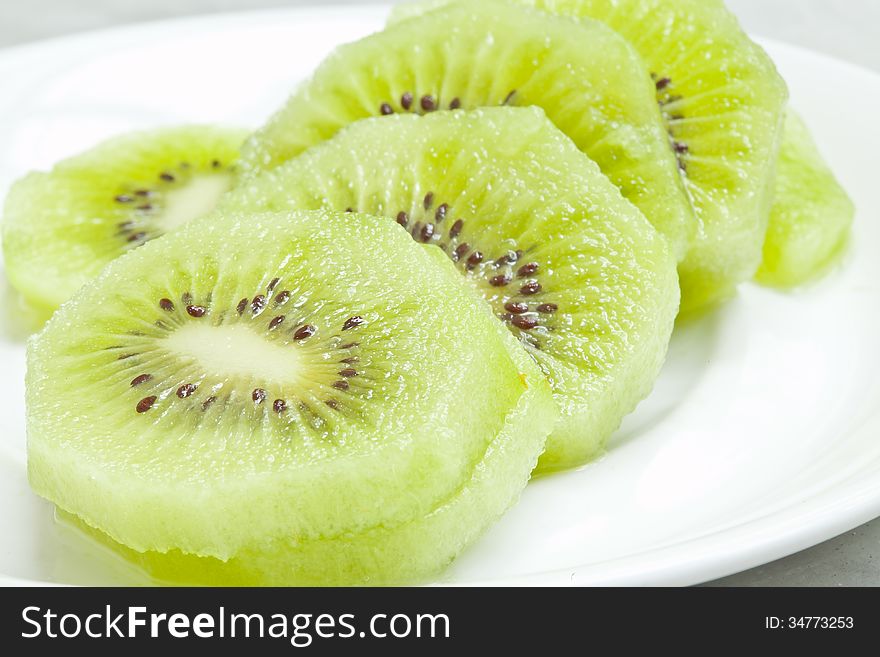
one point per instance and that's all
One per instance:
(588, 80)
(569, 266)
(811, 215)
(60, 228)
(722, 102)
(265, 393)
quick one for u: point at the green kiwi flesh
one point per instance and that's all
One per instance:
(588, 80)
(722, 102)
(569, 266)
(261, 397)
(61, 227)
(811, 216)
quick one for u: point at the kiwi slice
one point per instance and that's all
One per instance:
(589, 81)
(570, 267)
(60, 228)
(722, 101)
(811, 214)
(265, 392)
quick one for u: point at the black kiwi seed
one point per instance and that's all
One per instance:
(215, 163)
(406, 100)
(532, 287)
(427, 232)
(273, 284)
(524, 322)
(136, 236)
(207, 403)
(141, 378)
(679, 148)
(499, 281)
(304, 332)
(509, 98)
(508, 258)
(440, 215)
(282, 298)
(475, 258)
(144, 193)
(429, 200)
(462, 249)
(279, 406)
(548, 308)
(455, 231)
(342, 385)
(385, 109)
(196, 311)
(348, 372)
(145, 404)
(348, 345)
(516, 308)
(258, 304)
(350, 360)
(428, 103)
(258, 395)
(276, 321)
(166, 304)
(349, 210)
(332, 403)
(352, 322)
(455, 104)
(527, 269)
(402, 218)
(241, 306)
(186, 390)
(662, 83)
(167, 177)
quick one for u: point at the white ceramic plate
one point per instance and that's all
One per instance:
(761, 438)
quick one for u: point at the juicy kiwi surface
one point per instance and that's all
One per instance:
(264, 398)
(722, 102)
(811, 215)
(589, 81)
(60, 228)
(569, 266)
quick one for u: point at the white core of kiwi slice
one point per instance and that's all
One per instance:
(60, 228)
(409, 421)
(197, 197)
(570, 267)
(238, 352)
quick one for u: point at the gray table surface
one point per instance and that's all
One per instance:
(844, 29)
